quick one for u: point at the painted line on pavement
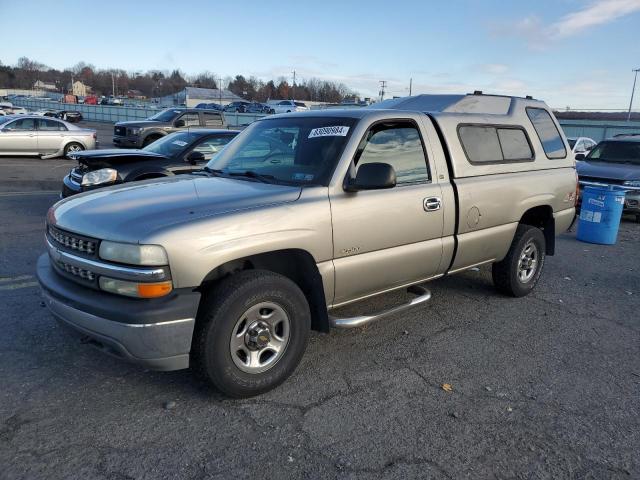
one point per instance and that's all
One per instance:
(33, 192)
(15, 279)
(16, 286)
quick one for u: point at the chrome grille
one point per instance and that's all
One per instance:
(77, 271)
(73, 242)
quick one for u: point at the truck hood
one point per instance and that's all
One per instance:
(604, 170)
(142, 123)
(133, 212)
(109, 157)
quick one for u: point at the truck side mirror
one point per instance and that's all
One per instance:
(195, 157)
(372, 176)
(179, 123)
(580, 156)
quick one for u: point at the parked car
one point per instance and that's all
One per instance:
(178, 152)
(256, 107)
(287, 106)
(234, 107)
(44, 137)
(140, 133)
(615, 161)
(70, 116)
(210, 106)
(303, 213)
(581, 144)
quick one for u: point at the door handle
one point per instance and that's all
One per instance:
(431, 204)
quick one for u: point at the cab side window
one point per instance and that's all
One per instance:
(212, 119)
(190, 119)
(398, 144)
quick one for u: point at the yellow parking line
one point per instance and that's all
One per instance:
(15, 279)
(16, 286)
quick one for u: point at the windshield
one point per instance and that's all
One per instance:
(173, 144)
(4, 119)
(294, 151)
(616, 152)
(165, 115)
(572, 142)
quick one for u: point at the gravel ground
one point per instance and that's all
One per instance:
(546, 386)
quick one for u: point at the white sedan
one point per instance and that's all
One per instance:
(44, 137)
(286, 106)
(581, 144)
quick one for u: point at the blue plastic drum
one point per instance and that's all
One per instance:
(600, 215)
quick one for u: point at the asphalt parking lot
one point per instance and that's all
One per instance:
(547, 386)
(27, 174)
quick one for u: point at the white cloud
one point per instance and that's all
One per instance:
(494, 68)
(597, 13)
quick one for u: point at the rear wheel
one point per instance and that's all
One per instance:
(72, 148)
(518, 273)
(251, 332)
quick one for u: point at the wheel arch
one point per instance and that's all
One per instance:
(541, 217)
(296, 264)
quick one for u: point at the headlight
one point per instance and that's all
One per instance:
(133, 289)
(632, 183)
(133, 254)
(134, 131)
(104, 175)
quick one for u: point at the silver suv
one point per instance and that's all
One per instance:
(227, 270)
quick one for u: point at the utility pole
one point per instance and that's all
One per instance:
(410, 85)
(635, 77)
(294, 85)
(383, 85)
(113, 85)
(220, 90)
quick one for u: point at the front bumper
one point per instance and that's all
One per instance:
(127, 142)
(155, 333)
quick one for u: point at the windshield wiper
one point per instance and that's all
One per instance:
(251, 174)
(212, 172)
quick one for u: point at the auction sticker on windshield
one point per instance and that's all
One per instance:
(336, 131)
(180, 143)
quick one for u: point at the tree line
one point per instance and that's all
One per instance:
(157, 83)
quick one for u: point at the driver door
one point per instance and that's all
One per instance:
(19, 136)
(389, 237)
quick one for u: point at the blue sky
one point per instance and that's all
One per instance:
(567, 52)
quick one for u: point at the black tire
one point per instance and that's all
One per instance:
(507, 274)
(72, 147)
(220, 310)
(149, 140)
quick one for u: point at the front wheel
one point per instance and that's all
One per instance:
(251, 332)
(518, 273)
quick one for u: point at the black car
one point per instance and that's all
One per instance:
(69, 116)
(256, 107)
(210, 106)
(238, 107)
(180, 152)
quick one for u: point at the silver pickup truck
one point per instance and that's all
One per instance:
(228, 270)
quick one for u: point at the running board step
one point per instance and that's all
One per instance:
(422, 295)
